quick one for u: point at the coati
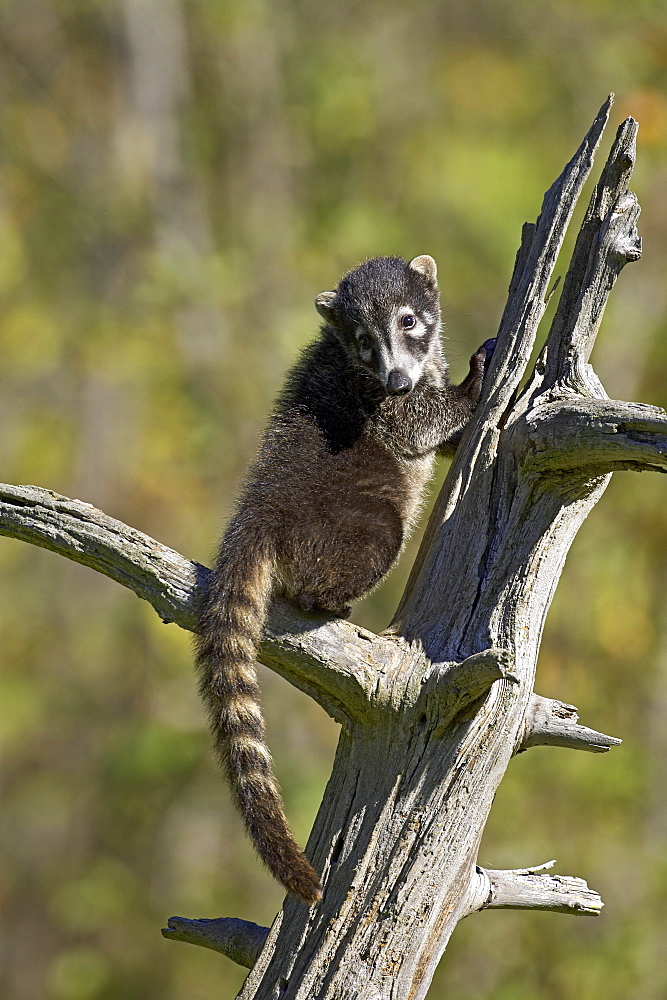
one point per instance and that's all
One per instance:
(327, 506)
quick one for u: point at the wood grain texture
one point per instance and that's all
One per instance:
(532, 889)
(239, 940)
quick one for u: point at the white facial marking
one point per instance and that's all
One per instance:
(400, 356)
(419, 328)
(405, 362)
(400, 353)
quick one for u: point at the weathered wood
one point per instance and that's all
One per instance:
(548, 722)
(591, 437)
(526, 889)
(336, 663)
(239, 940)
(433, 711)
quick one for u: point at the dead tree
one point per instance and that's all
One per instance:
(432, 711)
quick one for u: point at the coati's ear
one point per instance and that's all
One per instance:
(324, 306)
(427, 266)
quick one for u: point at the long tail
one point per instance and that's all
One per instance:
(230, 624)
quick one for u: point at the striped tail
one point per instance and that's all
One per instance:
(230, 625)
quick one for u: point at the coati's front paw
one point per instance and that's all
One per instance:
(488, 347)
(479, 362)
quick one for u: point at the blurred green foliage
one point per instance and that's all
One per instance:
(178, 179)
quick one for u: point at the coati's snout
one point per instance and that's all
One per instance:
(398, 383)
(386, 316)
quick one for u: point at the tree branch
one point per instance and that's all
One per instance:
(79, 531)
(475, 675)
(607, 240)
(554, 723)
(593, 435)
(240, 940)
(336, 663)
(431, 609)
(451, 688)
(535, 262)
(525, 889)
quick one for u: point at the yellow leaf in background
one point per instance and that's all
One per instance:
(629, 635)
(12, 258)
(42, 134)
(649, 106)
(30, 340)
(489, 86)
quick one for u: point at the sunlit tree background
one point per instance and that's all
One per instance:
(178, 179)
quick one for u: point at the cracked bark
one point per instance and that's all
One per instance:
(432, 712)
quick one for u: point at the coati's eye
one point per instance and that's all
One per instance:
(364, 342)
(408, 321)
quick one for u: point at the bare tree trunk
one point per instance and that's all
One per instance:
(433, 710)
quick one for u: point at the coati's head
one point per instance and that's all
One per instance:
(386, 314)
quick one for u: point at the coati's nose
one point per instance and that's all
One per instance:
(398, 383)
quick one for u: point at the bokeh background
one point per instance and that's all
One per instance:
(178, 179)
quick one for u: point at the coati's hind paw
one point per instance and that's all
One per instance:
(306, 603)
(311, 605)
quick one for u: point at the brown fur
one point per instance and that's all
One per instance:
(325, 510)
